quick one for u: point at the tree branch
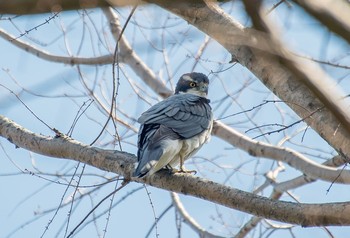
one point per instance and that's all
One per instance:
(189, 220)
(293, 158)
(105, 59)
(132, 59)
(121, 163)
(282, 187)
(333, 14)
(289, 156)
(331, 123)
(108, 160)
(20, 7)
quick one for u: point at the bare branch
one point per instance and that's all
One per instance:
(293, 158)
(109, 160)
(289, 156)
(333, 14)
(132, 59)
(34, 6)
(331, 123)
(303, 179)
(105, 59)
(122, 163)
(189, 220)
(282, 187)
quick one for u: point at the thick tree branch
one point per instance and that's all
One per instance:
(122, 163)
(281, 188)
(331, 123)
(333, 14)
(265, 66)
(65, 147)
(20, 7)
(291, 157)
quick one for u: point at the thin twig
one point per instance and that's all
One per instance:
(114, 91)
(92, 210)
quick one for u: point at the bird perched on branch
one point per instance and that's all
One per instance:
(176, 128)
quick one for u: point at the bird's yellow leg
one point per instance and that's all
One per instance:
(182, 168)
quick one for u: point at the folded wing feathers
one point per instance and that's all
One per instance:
(186, 114)
(177, 117)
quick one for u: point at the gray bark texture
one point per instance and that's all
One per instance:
(123, 164)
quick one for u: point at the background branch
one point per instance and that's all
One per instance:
(190, 220)
(105, 59)
(289, 156)
(333, 14)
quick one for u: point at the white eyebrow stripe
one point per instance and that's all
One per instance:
(188, 78)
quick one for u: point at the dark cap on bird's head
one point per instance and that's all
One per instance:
(194, 83)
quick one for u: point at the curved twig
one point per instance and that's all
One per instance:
(189, 220)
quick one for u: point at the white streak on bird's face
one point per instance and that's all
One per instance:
(187, 78)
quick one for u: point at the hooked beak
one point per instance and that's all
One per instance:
(204, 88)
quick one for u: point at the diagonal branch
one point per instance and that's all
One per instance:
(289, 156)
(259, 149)
(105, 59)
(122, 163)
(132, 59)
(282, 187)
(332, 123)
(333, 14)
(108, 160)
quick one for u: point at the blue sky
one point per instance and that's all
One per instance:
(168, 45)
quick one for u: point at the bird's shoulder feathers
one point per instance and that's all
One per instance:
(185, 114)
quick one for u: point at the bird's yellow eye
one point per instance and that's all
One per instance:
(192, 84)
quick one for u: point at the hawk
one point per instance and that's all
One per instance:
(176, 128)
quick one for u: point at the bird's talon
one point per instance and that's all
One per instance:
(182, 170)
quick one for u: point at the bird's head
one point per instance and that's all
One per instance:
(193, 83)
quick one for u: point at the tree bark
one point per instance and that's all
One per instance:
(122, 163)
(255, 53)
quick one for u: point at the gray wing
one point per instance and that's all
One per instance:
(150, 146)
(177, 117)
(186, 114)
